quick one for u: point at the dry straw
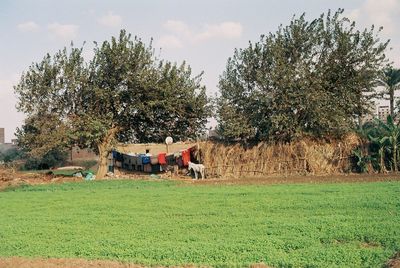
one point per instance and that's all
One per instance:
(303, 157)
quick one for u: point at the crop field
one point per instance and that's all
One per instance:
(174, 223)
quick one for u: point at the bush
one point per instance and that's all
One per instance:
(53, 158)
(11, 155)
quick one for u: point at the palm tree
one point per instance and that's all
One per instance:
(378, 143)
(391, 81)
(382, 143)
(391, 136)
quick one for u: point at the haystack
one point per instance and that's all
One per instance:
(302, 157)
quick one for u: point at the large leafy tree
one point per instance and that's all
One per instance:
(123, 94)
(310, 78)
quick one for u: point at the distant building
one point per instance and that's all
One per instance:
(383, 112)
(77, 153)
(377, 109)
(4, 147)
(2, 138)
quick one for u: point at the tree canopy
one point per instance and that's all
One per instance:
(124, 93)
(310, 78)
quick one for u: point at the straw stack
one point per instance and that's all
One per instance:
(302, 157)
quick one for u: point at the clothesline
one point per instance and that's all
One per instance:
(147, 162)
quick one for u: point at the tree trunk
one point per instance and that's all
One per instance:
(104, 148)
(394, 158)
(382, 158)
(391, 97)
(103, 154)
(397, 155)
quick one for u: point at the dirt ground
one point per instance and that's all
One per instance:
(81, 263)
(394, 262)
(61, 263)
(12, 178)
(340, 178)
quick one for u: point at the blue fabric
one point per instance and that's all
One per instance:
(118, 156)
(145, 160)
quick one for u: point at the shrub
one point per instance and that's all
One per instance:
(53, 158)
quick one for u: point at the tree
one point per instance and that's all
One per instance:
(391, 82)
(391, 135)
(123, 94)
(11, 155)
(235, 125)
(384, 137)
(382, 143)
(307, 79)
(43, 133)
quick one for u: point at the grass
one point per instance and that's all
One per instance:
(167, 223)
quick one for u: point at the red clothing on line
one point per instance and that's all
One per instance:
(161, 159)
(186, 157)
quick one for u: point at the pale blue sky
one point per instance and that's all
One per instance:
(204, 33)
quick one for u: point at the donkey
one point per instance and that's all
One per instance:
(197, 168)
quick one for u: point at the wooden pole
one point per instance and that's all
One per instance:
(198, 149)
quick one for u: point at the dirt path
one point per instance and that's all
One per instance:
(9, 178)
(20, 262)
(61, 263)
(81, 263)
(345, 178)
(394, 262)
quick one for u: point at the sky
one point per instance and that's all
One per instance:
(203, 33)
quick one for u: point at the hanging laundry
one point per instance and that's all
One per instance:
(155, 168)
(171, 160)
(161, 159)
(145, 159)
(117, 156)
(147, 168)
(154, 160)
(179, 161)
(186, 157)
(139, 160)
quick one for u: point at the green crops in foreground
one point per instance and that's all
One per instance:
(164, 223)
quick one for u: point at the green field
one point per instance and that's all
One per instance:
(169, 223)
